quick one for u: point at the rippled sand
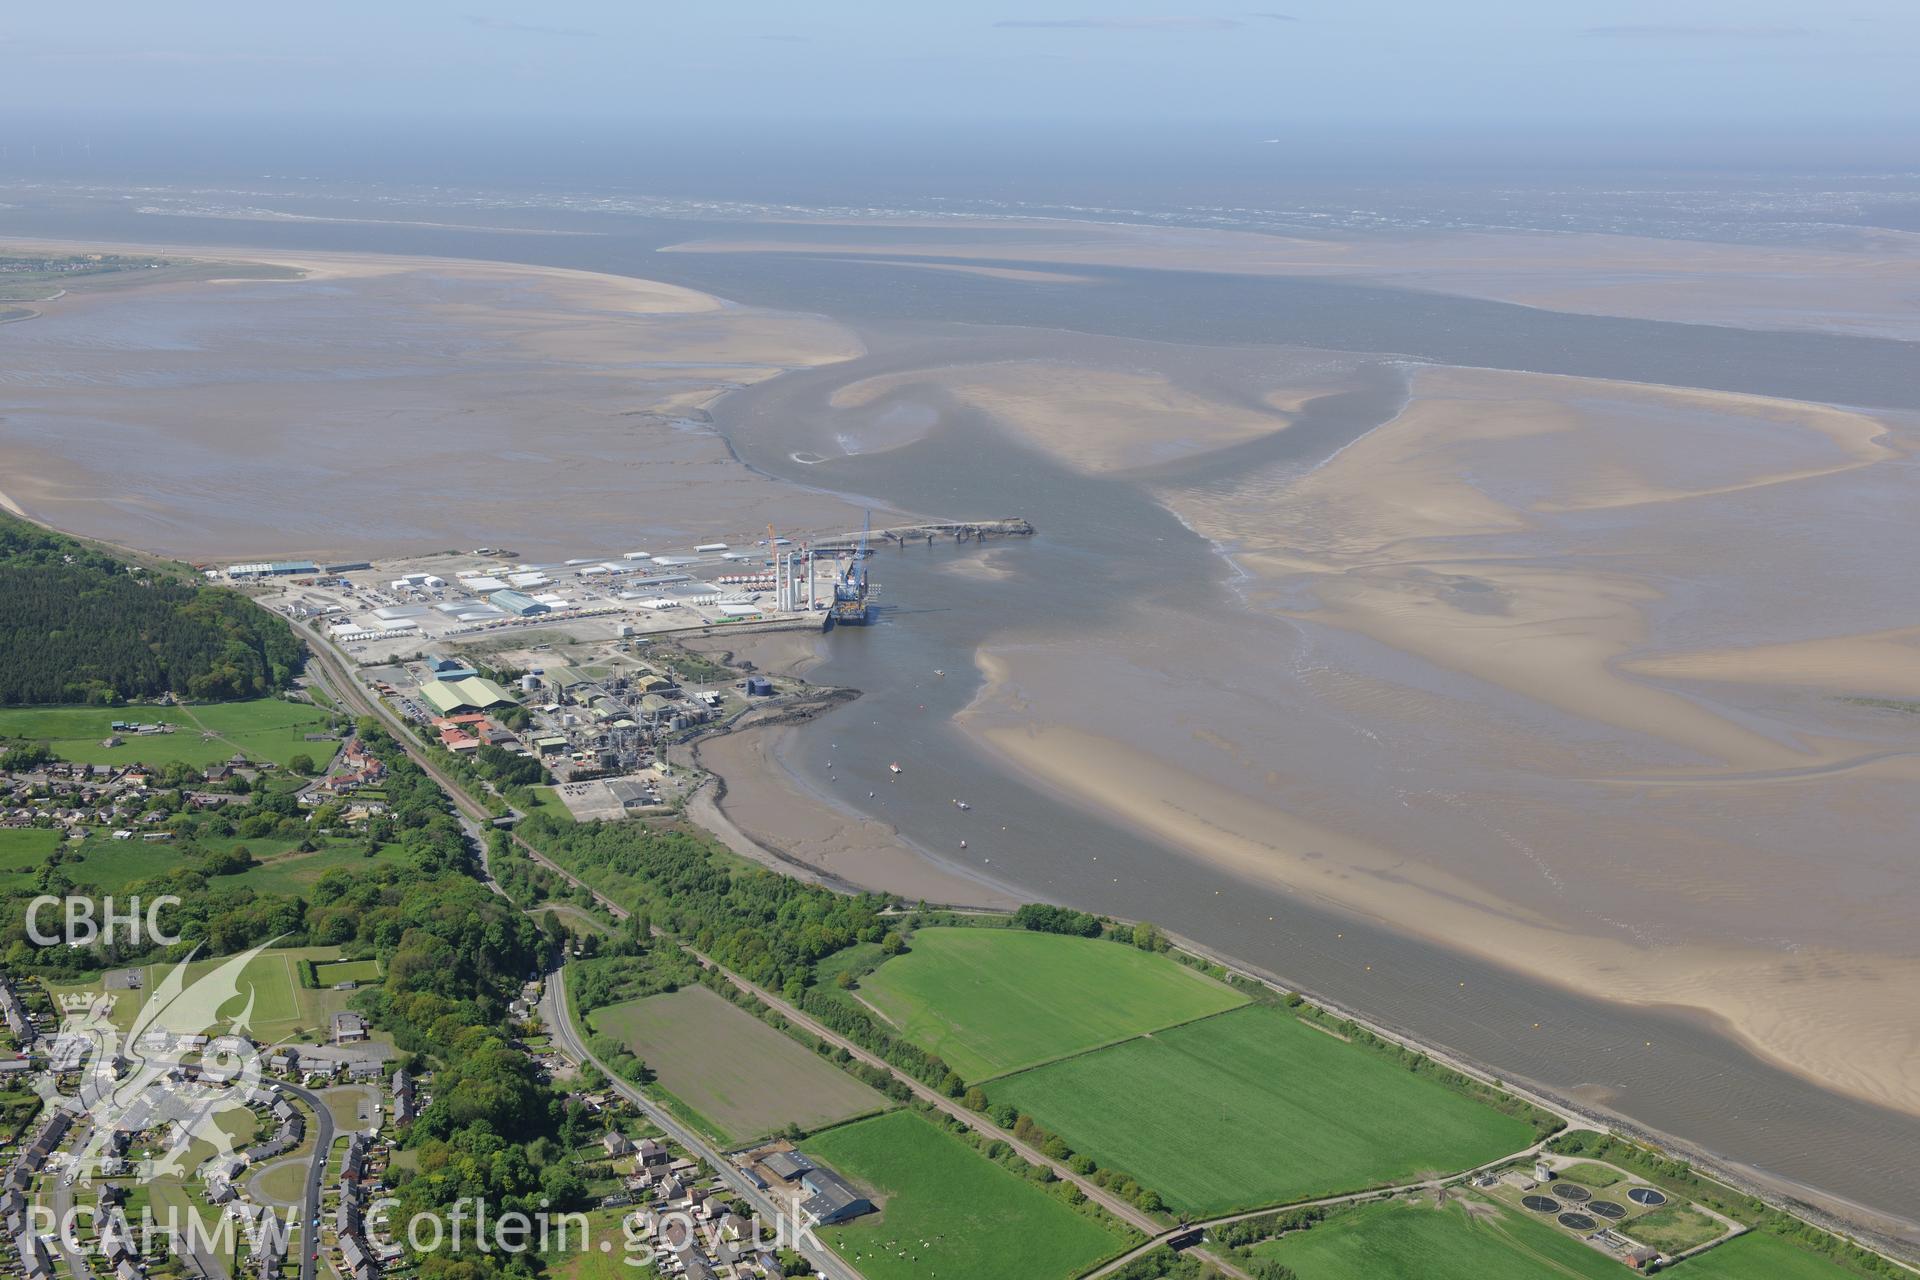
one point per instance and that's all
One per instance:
(380, 406)
(1587, 678)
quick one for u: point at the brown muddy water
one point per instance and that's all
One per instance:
(1109, 555)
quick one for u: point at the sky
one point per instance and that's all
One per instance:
(1572, 77)
(1073, 60)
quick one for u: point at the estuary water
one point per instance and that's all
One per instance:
(1107, 548)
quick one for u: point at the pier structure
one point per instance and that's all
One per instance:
(860, 541)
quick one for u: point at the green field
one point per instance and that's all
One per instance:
(24, 850)
(1674, 1228)
(734, 1071)
(1759, 1256)
(992, 1001)
(294, 874)
(583, 1259)
(946, 1210)
(346, 1103)
(260, 729)
(1593, 1176)
(1254, 1107)
(548, 801)
(333, 971)
(111, 865)
(1399, 1240)
(281, 1007)
(283, 1182)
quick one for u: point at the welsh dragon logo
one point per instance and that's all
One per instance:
(142, 1084)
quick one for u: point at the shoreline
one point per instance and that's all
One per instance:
(1739, 992)
(1829, 1211)
(764, 759)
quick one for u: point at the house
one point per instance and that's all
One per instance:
(1641, 1258)
(353, 1166)
(348, 1027)
(617, 1144)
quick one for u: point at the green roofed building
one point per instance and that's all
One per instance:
(518, 603)
(475, 693)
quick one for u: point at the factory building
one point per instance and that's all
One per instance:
(519, 604)
(272, 569)
(475, 693)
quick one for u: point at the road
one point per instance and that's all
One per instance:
(559, 1019)
(310, 1211)
(349, 691)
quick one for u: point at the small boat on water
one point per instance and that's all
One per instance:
(894, 767)
(963, 844)
(937, 671)
(961, 804)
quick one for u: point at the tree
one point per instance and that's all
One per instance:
(893, 944)
(25, 756)
(302, 764)
(1044, 918)
(79, 625)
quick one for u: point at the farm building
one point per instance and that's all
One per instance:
(830, 1198)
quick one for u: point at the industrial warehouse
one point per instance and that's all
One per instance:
(379, 612)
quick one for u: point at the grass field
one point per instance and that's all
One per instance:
(294, 873)
(1759, 1256)
(575, 917)
(24, 850)
(282, 1183)
(550, 803)
(584, 1260)
(1593, 1176)
(1253, 1108)
(111, 865)
(333, 971)
(733, 1070)
(1402, 1240)
(946, 1210)
(992, 1001)
(351, 1106)
(1674, 1228)
(281, 1007)
(260, 729)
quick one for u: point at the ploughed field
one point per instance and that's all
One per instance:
(731, 1073)
(945, 1210)
(991, 1001)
